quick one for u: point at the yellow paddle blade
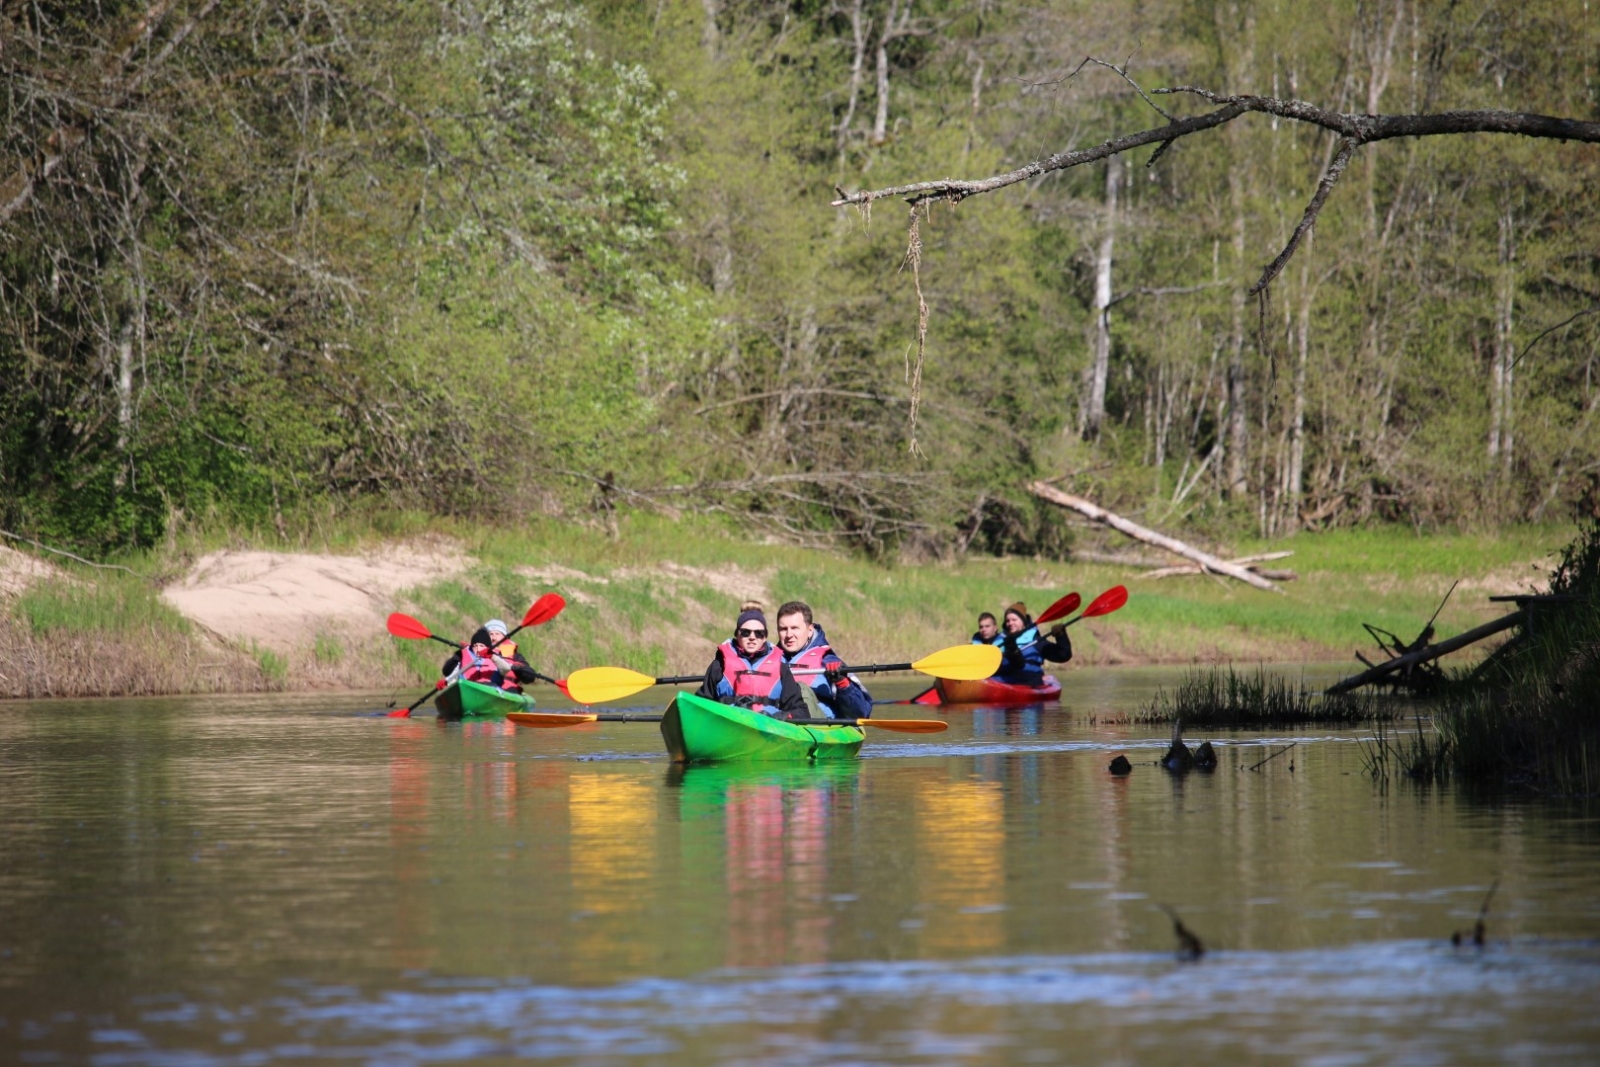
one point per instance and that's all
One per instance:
(907, 726)
(596, 685)
(961, 663)
(548, 718)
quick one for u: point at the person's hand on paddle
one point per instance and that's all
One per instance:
(1058, 629)
(836, 675)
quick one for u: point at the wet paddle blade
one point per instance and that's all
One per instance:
(962, 663)
(906, 726)
(544, 609)
(597, 685)
(547, 719)
(1107, 602)
(407, 627)
(1060, 609)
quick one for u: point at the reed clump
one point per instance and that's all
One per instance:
(1217, 697)
(1426, 757)
(1527, 717)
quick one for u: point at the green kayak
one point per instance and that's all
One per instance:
(472, 700)
(702, 731)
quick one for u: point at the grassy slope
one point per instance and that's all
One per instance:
(661, 594)
(656, 598)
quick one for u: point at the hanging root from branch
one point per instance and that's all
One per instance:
(914, 371)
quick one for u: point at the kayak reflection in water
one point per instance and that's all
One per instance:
(838, 694)
(751, 673)
(1023, 651)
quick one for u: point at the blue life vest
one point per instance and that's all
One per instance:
(1032, 670)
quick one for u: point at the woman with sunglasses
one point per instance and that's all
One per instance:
(750, 672)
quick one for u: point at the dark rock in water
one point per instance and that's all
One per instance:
(1120, 766)
(1205, 757)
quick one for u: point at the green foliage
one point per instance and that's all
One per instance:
(477, 258)
(274, 667)
(109, 603)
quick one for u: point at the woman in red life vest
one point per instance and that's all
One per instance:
(491, 660)
(750, 672)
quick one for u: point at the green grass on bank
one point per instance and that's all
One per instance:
(660, 595)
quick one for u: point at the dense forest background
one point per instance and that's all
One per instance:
(501, 257)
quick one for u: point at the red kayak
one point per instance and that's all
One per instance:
(989, 691)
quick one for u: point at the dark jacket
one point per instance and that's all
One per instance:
(1021, 658)
(520, 669)
(791, 705)
(847, 700)
(1056, 646)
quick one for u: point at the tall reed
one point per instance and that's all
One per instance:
(1224, 697)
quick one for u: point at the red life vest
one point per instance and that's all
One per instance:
(761, 681)
(810, 659)
(481, 669)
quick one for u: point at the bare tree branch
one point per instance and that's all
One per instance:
(1309, 219)
(1354, 131)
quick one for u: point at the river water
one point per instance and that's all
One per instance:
(252, 880)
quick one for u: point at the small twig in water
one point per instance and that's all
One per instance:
(1274, 756)
(1479, 929)
(1189, 946)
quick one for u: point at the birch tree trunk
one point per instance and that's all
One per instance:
(1094, 409)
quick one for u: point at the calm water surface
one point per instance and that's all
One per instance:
(251, 880)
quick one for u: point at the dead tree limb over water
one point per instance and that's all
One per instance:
(1428, 653)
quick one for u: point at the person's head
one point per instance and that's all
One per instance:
(794, 626)
(496, 629)
(750, 631)
(1016, 618)
(987, 627)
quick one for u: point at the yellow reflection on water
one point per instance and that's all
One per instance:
(613, 857)
(961, 865)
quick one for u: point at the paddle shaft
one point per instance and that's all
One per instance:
(657, 717)
(874, 668)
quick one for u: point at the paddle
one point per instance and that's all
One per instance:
(547, 720)
(1104, 604)
(597, 685)
(540, 612)
(1060, 609)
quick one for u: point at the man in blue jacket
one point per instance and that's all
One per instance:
(816, 666)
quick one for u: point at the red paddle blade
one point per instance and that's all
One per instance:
(1107, 602)
(561, 684)
(407, 627)
(399, 713)
(1060, 609)
(544, 609)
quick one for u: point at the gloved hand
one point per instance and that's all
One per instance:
(502, 664)
(1058, 629)
(835, 675)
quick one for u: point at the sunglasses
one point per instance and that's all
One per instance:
(750, 633)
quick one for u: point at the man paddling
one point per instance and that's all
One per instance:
(751, 673)
(805, 648)
(489, 659)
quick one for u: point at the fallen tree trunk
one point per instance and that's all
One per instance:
(1149, 537)
(1247, 562)
(1431, 652)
